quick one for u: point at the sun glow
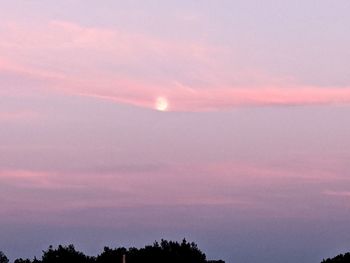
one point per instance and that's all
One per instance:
(161, 104)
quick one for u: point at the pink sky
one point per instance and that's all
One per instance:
(69, 45)
(249, 159)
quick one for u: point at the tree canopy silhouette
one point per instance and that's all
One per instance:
(341, 258)
(64, 254)
(3, 258)
(165, 251)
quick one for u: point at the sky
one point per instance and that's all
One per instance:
(224, 122)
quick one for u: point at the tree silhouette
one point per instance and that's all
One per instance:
(3, 258)
(111, 255)
(338, 259)
(20, 260)
(165, 251)
(64, 254)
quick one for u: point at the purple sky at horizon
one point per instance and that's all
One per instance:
(225, 122)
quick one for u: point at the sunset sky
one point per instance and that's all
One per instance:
(226, 122)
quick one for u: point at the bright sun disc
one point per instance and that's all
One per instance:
(161, 104)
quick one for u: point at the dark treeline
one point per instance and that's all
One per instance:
(165, 251)
(342, 258)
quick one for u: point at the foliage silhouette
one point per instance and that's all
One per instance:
(20, 260)
(64, 254)
(3, 258)
(165, 251)
(342, 258)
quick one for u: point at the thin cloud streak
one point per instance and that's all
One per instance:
(337, 193)
(15, 116)
(185, 98)
(189, 90)
(222, 99)
(242, 183)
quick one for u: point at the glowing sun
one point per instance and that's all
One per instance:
(161, 104)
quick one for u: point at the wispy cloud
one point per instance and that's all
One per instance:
(135, 68)
(242, 186)
(215, 99)
(337, 193)
(12, 116)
